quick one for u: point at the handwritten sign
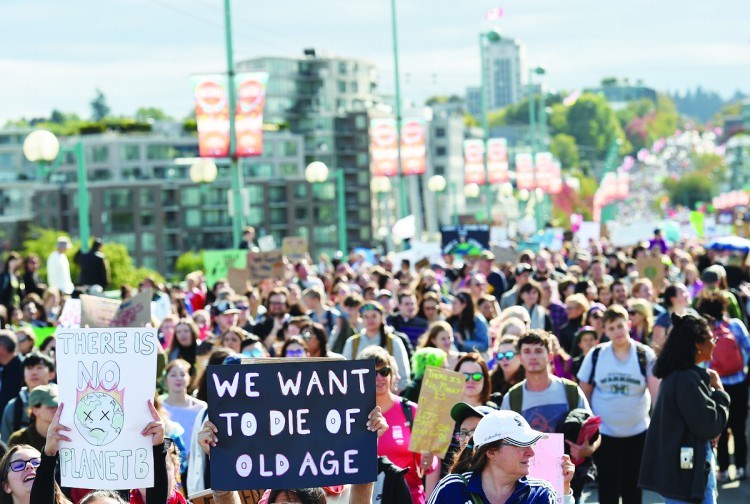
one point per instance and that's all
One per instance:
(106, 406)
(297, 425)
(433, 427)
(653, 269)
(264, 265)
(505, 255)
(134, 312)
(294, 248)
(71, 314)
(218, 262)
(207, 497)
(98, 311)
(547, 463)
(238, 278)
(266, 243)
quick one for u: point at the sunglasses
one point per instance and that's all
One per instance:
(506, 355)
(462, 434)
(385, 371)
(474, 376)
(20, 465)
(295, 353)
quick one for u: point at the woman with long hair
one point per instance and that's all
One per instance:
(530, 296)
(10, 283)
(677, 300)
(429, 307)
(508, 370)
(185, 343)
(294, 347)
(477, 384)
(18, 469)
(641, 316)
(440, 335)
(691, 409)
(470, 330)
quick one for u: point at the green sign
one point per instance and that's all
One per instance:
(218, 262)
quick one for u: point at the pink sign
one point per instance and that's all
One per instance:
(547, 463)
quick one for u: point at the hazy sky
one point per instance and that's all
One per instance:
(54, 54)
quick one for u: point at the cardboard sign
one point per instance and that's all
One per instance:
(238, 278)
(207, 497)
(106, 406)
(294, 248)
(264, 265)
(71, 314)
(134, 312)
(297, 425)
(465, 240)
(98, 311)
(505, 255)
(653, 269)
(433, 427)
(266, 243)
(547, 463)
(218, 262)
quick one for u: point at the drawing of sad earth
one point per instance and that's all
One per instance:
(98, 418)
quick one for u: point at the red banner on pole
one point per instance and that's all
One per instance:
(497, 161)
(543, 162)
(383, 147)
(474, 162)
(525, 171)
(556, 182)
(413, 147)
(212, 114)
(251, 96)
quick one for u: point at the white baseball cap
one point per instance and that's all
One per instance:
(508, 426)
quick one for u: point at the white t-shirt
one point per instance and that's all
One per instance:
(546, 409)
(620, 396)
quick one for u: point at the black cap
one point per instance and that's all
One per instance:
(461, 411)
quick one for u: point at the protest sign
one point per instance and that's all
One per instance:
(207, 497)
(547, 463)
(238, 278)
(465, 240)
(134, 312)
(264, 265)
(292, 425)
(294, 248)
(106, 407)
(266, 243)
(217, 263)
(653, 269)
(98, 311)
(433, 427)
(71, 314)
(42, 333)
(505, 255)
(587, 232)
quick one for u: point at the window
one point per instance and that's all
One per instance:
(254, 216)
(101, 174)
(191, 196)
(160, 152)
(342, 67)
(192, 217)
(276, 194)
(148, 242)
(150, 262)
(288, 148)
(130, 153)
(354, 87)
(288, 169)
(325, 191)
(360, 122)
(118, 198)
(100, 154)
(324, 213)
(147, 219)
(441, 151)
(300, 191)
(121, 222)
(278, 216)
(439, 132)
(262, 170)
(254, 194)
(342, 86)
(300, 213)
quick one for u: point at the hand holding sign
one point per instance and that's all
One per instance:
(568, 470)
(54, 434)
(154, 429)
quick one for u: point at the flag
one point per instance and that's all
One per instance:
(572, 98)
(493, 14)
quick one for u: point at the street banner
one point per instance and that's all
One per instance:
(71, 314)
(652, 267)
(134, 312)
(217, 263)
(294, 248)
(465, 240)
(413, 146)
(383, 147)
(212, 114)
(474, 162)
(98, 311)
(248, 120)
(433, 426)
(546, 464)
(106, 406)
(264, 265)
(493, 14)
(292, 425)
(237, 278)
(525, 171)
(497, 161)
(543, 162)
(556, 181)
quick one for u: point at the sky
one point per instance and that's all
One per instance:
(56, 54)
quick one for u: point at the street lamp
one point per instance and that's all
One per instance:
(487, 38)
(438, 184)
(401, 180)
(381, 186)
(203, 171)
(538, 208)
(317, 173)
(471, 190)
(43, 147)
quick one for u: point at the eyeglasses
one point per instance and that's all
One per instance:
(462, 434)
(243, 307)
(20, 465)
(385, 371)
(295, 353)
(506, 355)
(474, 376)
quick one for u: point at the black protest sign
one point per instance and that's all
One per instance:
(469, 240)
(292, 425)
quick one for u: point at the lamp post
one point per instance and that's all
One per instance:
(438, 184)
(317, 173)
(533, 133)
(487, 38)
(43, 147)
(238, 214)
(403, 204)
(382, 187)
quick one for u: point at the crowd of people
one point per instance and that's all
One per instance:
(644, 380)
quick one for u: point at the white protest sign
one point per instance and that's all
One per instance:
(547, 463)
(71, 314)
(588, 231)
(266, 243)
(106, 407)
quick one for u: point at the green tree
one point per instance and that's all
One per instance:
(593, 123)
(146, 114)
(564, 148)
(689, 189)
(187, 263)
(99, 107)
